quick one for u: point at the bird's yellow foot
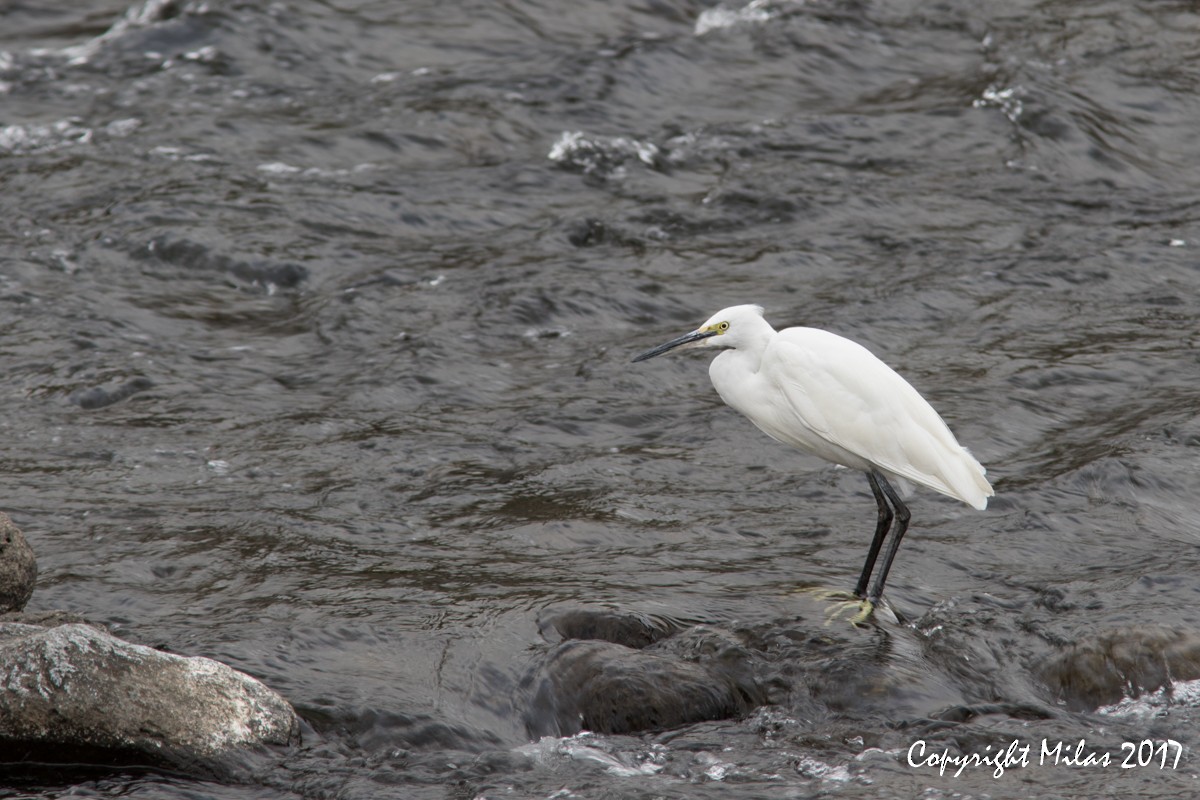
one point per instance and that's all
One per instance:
(861, 608)
(843, 604)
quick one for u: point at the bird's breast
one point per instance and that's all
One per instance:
(747, 388)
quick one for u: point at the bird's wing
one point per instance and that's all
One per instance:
(840, 392)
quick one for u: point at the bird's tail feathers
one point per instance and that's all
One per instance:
(970, 483)
(960, 477)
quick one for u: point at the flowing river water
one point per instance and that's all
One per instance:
(316, 322)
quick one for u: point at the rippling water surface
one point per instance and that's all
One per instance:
(315, 328)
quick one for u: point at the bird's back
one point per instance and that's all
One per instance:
(832, 397)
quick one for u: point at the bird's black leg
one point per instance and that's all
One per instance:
(902, 518)
(881, 528)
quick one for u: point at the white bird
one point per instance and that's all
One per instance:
(829, 396)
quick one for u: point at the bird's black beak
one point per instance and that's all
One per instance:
(687, 338)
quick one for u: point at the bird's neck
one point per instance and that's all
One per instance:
(754, 340)
(735, 376)
(735, 372)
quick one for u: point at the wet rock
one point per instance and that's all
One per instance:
(1125, 662)
(74, 692)
(18, 569)
(619, 627)
(619, 672)
(198, 257)
(591, 232)
(101, 396)
(588, 233)
(611, 688)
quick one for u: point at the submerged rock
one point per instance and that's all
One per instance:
(18, 568)
(195, 256)
(1125, 662)
(103, 396)
(607, 625)
(663, 681)
(609, 671)
(74, 692)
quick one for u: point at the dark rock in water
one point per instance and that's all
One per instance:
(592, 232)
(76, 693)
(610, 688)
(611, 671)
(631, 630)
(99, 396)
(18, 568)
(195, 256)
(266, 273)
(1112, 665)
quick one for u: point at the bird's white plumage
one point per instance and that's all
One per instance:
(832, 397)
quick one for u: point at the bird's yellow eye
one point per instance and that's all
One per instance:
(722, 327)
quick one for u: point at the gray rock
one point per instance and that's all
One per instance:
(18, 569)
(102, 396)
(1110, 665)
(610, 688)
(75, 689)
(606, 625)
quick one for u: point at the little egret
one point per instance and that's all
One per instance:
(832, 397)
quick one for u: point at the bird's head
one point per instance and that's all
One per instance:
(729, 327)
